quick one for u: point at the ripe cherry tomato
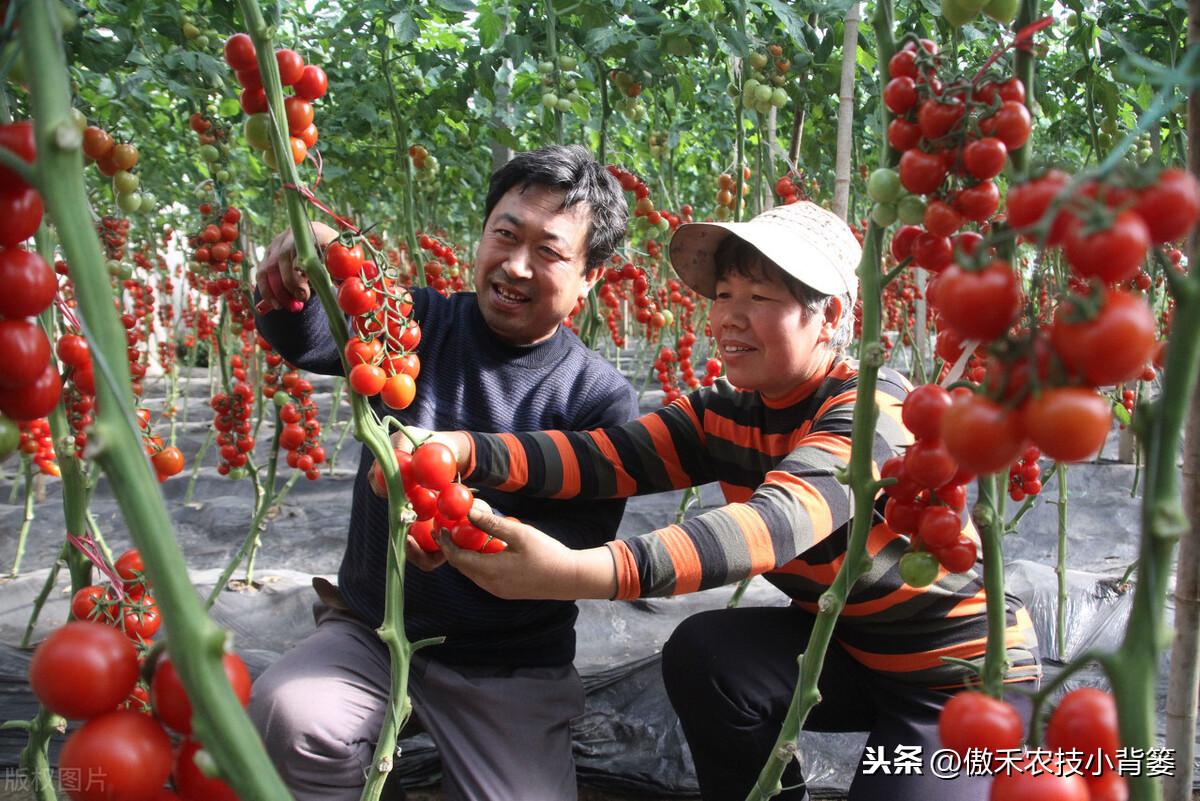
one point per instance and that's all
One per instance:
(922, 410)
(939, 527)
(367, 379)
(168, 461)
(73, 351)
(1113, 346)
(1111, 254)
(191, 783)
(978, 202)
(291, 437)
(929, 464)
(312, 83)
(291, 66)
(33, 400)
(399, 390)
(455, 501)
(900, 94)
(902, 241)
(86, 603)
(20, 214)
(433, 466)
(972, 719)
(1028, 202)
(83, 669)
(299, 114)
(362, 351)
(422, 532)
(17, 137)
(1085, 719)
(97, 143)
(903, 63)
(903, 517)
(29, 283)
(984, 158)
(1069, 424)
(1170, 206)
(129, 565)
(903, 135)
(1010, 124)
(922, 173)
(468, 537)
(119, 755)
(937, 117)
(981, 304)
(170, 700)
(342, 262)
(981, 435)
(355, 298)
(140, 620)
(1048, 784)
(942, 219)
(932, 252)
(239, 53)
(959, 556)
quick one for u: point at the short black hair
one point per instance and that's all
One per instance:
(571, 170)
(736, 256)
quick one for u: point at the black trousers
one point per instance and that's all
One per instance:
(730, 675)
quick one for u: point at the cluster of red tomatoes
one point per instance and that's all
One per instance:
(214, 248)
(29, 384)
(928, 498)
(1025, 476)
(88, 670)
(439, 502)
(726, 186)
(126, 603)
(300, 435)
(425, 163)
(233, 425)
(115, 161)
(308, 83)
(33, 439)
(1081, 738)
(643, 205)
(381, 358)
(445, 279)
(787, 190)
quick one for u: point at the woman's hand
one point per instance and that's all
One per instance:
(533, 565)
(458, 443)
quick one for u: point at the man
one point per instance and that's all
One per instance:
(498, 695)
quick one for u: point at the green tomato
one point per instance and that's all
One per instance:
(911, 209)
(567, 62)
(732, 90)
(238, 473)
(282, 399)
(545, 67)
(129, 203)
(209, 153)
(884, 185)
(960, 12)
(762, 93)
(190, 31)
(118, 270)
(679, 46)
(549, 100)
(125, 182)
(10, 436)
(779, 97)
(758, 60)
(563, 104)
(223, 176)
(1003, 11)
(918, 568)
(258, 131)
(884, 214)
(201, 42)
(575, 97)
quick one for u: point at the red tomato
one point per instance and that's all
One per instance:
(929, 464)
(900, 94)
(1026, 785)
(86, 603)
(468, 537)
(239, 52)
(922, 410)
(1085, 719)
(291, 437)
(367, 379)
(1069, 424)
(24, 352)
(168, 461)
(1028, 202)
(937, 117)
(97, 143)
(903, 63)
(254, 101)
(342, 262)
(1170, 206)
(939, 527)
(1113, 346)
(20, 214)
(73, 351)
(141, 620)
(981, 304)
(291, 66)
(191, 783)
(984, 158)
(170, 700)
(33, 400)
(17, 137)
(932, 252)
(905, 489)
(355, 298)
(972, 719)
(903, 135)
(299, 114)
(129, 565)
(1010, 124)
(959, 556)
(422, 532)
(455, 501)
(902, 241)
(83, 669)
(1111, 254)
(902, 517)
(1108, 786)
(312, 83)
(922, 173)
(981, 435)
(433, 466)
(1012, 89)
(942, 219)
(120, 755)
(423, 500)
(978, 202)
(362, 351)
(410, 337)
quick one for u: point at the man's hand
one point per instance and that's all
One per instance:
(281, 284)
(533, 565)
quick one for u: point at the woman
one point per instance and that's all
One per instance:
(773, 432)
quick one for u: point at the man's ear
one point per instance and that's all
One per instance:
(590, 277)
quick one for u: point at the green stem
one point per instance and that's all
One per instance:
(44, 593)
(196, 644)
(1023, 67)
(196, 463)
(35, 757)
(991, 532)
(26, 518)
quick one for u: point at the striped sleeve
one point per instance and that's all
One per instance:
(798, 504)
(660, 451)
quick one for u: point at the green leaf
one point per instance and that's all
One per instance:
(405, 27)
(489, 24)
(457, 6)
(599, 41)
(796, 26)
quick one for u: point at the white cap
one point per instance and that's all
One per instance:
(808, 243)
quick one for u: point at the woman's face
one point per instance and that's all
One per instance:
(768, 339)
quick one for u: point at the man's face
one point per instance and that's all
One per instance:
(529, 266)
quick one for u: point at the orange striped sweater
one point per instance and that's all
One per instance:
(787, 516)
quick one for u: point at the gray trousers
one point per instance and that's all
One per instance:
(502, 733)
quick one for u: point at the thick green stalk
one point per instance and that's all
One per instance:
(990, 523)
(1023, 67)
(26, 515)
(1134, 676)
(196, 644)
(367, 428)
(196, 463)
(864, 488)
(35, 757)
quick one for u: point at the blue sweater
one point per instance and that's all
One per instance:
(471, 380)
